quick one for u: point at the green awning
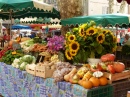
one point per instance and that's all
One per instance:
(104, 20)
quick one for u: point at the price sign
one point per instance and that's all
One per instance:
(16, 46)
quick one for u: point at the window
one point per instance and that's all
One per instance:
(105, 10)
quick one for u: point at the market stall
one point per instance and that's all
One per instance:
(103, 20)
(18, 26)
(81, 63)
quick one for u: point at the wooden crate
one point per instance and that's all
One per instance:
(44, 71)
(117, 76)
(30, 70)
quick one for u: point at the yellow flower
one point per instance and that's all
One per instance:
(66, 35)
(109, 32)
(104, 31)
(81, 32)
(73, 52)
(91, 31)
(74, 46)
(66, 44)
(99, 29)
(68, 55)
(83, 26)
(100, 38)
(71, 38)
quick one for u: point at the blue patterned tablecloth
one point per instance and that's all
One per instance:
(16, 83)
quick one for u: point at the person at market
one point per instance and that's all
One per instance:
(122, 37)
(33, 34)
(126, 40)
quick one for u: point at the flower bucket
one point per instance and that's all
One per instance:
(93, 61)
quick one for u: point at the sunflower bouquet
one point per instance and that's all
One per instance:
(88, 41)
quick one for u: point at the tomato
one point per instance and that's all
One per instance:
(107, 57)
(111, 69)
(119, 67)
(98, 68)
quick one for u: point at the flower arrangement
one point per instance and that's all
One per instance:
(56, 43)
(88, 41)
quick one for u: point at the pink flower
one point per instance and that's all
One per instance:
(55, 43)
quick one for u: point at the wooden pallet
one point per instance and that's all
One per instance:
(117, 76)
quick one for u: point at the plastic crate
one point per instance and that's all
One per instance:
(121, 88)
(102, 91)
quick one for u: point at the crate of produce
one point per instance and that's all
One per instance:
(102, 91)
(31, 70)
(44, 71)
(117, 76)
(120, 88)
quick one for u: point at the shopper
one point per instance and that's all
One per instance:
(127, 40)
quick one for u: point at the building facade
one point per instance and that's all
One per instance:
(94, 7)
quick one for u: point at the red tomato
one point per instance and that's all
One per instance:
(98, 68)
(111, 69)
(108, 57)
(119, 67)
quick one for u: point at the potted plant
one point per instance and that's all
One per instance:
(88, 41)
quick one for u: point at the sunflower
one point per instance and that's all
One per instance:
(109, 32)
(81, 32)
(99, 29)
(73, 52)
(66, 44)
(100, 38)
(83, 26)
(91, 31)
(104, 31)
(68, 55)
(71, 38)
(74, 46)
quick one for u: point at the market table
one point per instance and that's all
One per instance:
(17, 83)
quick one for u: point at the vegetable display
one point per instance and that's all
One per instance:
(21, 62)
(10, 55)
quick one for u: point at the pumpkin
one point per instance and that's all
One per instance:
(95, 81)
(67, 76)
(87, 84)
(103, 81)
(119, 67)
(10, 43)
(108, 57)
(80, 82)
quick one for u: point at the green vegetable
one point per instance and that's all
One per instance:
(8, 58)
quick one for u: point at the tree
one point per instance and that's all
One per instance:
(68, 9)
(111, 5)
(122, 6)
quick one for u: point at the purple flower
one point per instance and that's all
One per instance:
(55, 43)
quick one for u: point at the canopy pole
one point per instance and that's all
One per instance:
(10, 23)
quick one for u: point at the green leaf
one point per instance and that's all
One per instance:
(92, 55)
(99, 49)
